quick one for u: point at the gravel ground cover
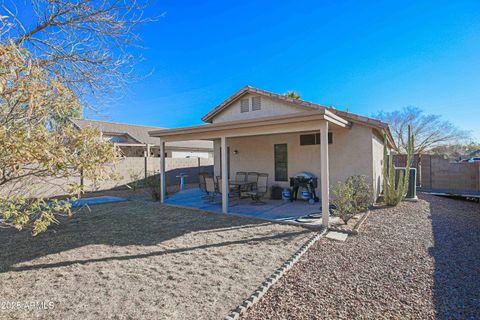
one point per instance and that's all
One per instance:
(416, 261)
(140, 260)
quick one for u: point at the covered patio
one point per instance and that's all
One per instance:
(277, 210)
(318, 121)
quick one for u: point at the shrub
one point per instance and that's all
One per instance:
(38, 141)
(362, 193)
(152, 182)
(136, 179)
(343, 195)
(351, 197)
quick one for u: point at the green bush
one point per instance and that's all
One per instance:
(152, 182)
(351, 197)
(136, 178)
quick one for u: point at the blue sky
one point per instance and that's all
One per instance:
(356, 55)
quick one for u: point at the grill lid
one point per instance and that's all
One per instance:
(304, 174)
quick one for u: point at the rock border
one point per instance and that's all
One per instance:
(356, 229)
(357, 226)
(273, 278)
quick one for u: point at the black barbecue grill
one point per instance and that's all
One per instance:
(306, 181)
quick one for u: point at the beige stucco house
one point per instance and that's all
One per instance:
(278, 135)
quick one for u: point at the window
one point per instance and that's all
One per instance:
(313, 138)
(281, 162)
(307, 139)
(116, 139)
(244, 105)
(256, 103)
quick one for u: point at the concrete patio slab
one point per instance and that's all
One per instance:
(96, 200)
(272, 209)
(338, 236)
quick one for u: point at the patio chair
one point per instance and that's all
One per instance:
(253, 178)
(231, 191)
(210, 188)
(202, 184)
(241, 176)
(260, 189)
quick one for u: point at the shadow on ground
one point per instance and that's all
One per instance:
(456, 253)
(123, 224)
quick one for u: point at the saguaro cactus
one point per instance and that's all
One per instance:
(394, 190)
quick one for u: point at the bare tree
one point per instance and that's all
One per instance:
(430, 130)
(83, 42)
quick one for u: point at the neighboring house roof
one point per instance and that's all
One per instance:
(140, 134)
(474, 153)
(305, 105)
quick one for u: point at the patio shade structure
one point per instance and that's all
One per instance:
(321, 121)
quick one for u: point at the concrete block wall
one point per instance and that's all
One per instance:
(128, 170)
(33, 187)
(437, 173)
(132, 169)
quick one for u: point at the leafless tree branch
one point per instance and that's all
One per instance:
(430, 130)
(85, 42)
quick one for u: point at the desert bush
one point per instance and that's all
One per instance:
(38, 140)
(362, 193)
(152, 182)
(136, 178)
(351, 197)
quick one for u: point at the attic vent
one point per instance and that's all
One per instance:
(256, 103)
(244, 105)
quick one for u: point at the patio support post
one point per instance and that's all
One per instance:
(224, 185)
(162, 171)
(324, 171)
(148, 150)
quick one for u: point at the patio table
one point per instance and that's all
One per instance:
(239, 185)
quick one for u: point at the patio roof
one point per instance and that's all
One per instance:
(297, 122)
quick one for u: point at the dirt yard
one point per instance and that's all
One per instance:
(416, 261)
(136, 260)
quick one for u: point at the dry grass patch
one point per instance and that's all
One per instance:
(140, 259)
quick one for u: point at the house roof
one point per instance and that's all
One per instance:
(139, 133)
(212, 129)
(474, 153)
(302, 104)
(292, 101)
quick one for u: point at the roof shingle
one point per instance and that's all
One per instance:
(139, 133)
